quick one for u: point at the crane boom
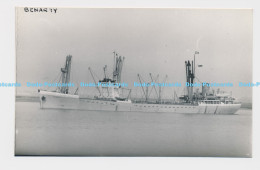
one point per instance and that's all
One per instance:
(154, 86)
(142, 87)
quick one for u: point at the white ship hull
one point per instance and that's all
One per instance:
(52, 100)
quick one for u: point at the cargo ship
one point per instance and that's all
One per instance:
(111, 98)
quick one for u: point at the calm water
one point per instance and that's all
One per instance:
(94, 133)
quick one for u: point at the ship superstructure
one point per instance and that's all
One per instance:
(111, 88)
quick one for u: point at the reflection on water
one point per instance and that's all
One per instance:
(95, 133)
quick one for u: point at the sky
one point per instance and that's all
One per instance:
(156, 41)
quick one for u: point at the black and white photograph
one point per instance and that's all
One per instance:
(133, 82)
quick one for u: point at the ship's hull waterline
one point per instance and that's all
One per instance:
(51, 100)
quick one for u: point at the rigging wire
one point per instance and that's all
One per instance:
(96, 75)
(198, 79)
(59, 81)
(59, 75)
(153, 87)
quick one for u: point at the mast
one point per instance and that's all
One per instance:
(187, 75)
(175, 96)
(160, 96)
(66, 75)
(147, 89)
(118, 65)
(160, 90)
(194, 64)
(192, 78)
(105, 68)
(106, 79)
(114, 64)
(190, 75)
(196, 52)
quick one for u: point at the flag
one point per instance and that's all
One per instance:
(196, 52)
(200, 65)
